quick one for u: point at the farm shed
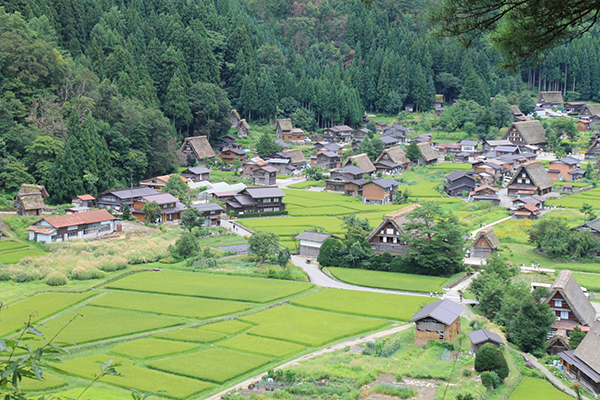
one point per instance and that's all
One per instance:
(483, 336)
(485, 243)
(438, 321)
(558, 343)
(311, 242)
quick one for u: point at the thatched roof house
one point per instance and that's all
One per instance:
(485, 244)
(388, 235)
(243, 128)
(297, 156)
(234, 117)
(515, 110)
(362, 161)
(558, 343)
(428, 154)
(30, 199)
(569, 304)
(590, 110)
(584, 362)
(531, 178)
(394, 154)
(526, 133)
(197, 147)
(550, 99)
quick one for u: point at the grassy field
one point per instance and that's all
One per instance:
(422, 189)
(40, 306)
(389, 280)
(306, 203)
(262, 346)
(10, 245)
(150, 348)
(143, 379)
(230, 327)
(534, 389)
(308, 327)
(192, 335)
(306, 184)
(181, 306)
(589, 281)
(378, 305)
(576, 201)
(214, 365)
(212, 286)
(523, 254)
(13, 257)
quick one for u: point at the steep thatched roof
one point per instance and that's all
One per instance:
(296, 154)
(587, 351)
(363, 162)
(284, 124)
(200, 146)
(551, 97)
(32, 189)
(490, 236)
(398, 218)
(395, 154)
(560, 338)
(515, 110)
(537, 173)
(532, 131)
(571, 292)
(428, 152)
(31, 197)
(592, 109)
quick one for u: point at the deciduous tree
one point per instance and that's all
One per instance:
(263, 244)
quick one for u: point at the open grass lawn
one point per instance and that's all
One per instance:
(576, 201)
(263, 346)
(536, 389)
(231, 327)
(150, 348)
(97, 323)
(181, 306)
(523, 254)
(143, 379)
(100, 391)
(422, 189)
(308, 327)
(48, 382)
(513, 230)
(13, 257)
(212, 286)
(379, 305)
(214, 365)
(10, 245)
(192, 335)
(40, 306)
(589, 281)
(389, 280)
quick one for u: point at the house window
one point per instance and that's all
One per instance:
(72, 234)
(266, 200)
(390, 231)
(564, 315)
(557, 303)
(527, 181)
(212, 212)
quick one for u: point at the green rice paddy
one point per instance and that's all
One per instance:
(10, 245)
(192, 335)
(535, 389)
(13, 257)
(150, 348)
(576, 201)
(230, 327)
(389, 280)
(262, 346)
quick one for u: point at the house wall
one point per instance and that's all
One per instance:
(556, 310)
(309, 249)
(86, 231)
(374, 194)
(563, 171)
(430, 329)
(290, 136)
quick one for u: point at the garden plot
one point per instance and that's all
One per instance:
(308, 327)
(181, 306)
(213, 286)
(40, 306)
(214, 365)
(194, 335)
(97, 323)
(379, 305)
(143, 379)
(535, 389)
(263, 346)
(231, 327)
(150, 348)
(389, 280)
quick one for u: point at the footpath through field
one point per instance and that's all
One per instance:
(332, 348)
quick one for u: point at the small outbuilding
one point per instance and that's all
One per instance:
(438, 321)
(485, 244)
(29, 201)
(311, 242)
(483, 336)
(558, 343)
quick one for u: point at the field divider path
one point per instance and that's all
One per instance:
(329, 349)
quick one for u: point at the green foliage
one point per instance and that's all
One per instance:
(413, 152)
(126, 213)
(176, 187)
(588, 211)
(535, 388)
(491, 358)
(283, 257)
(373, 147)
(263, 244)
(395, 391)
(330, 252)
(266, 145)
(575, 337)
(186, 246)
(152, 212)
(487, 380)
(531, 325)
(553, 236)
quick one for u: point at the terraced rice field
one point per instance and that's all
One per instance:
(389, 280)
(535, 389)
(576, 201)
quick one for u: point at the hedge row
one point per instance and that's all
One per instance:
(263, 214)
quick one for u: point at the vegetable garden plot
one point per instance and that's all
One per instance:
(379, 305)
(215, 365)
(181, 306)
(308, 327)
(149, 348)
(263, 346)
(143, 379)
(213, 286)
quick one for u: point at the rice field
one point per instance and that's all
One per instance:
(262, 346)
(230, 327)
(576, 201)
(151, 348)
(389, 280)
(48, 382)
(368, 304)
(6, 245)
(534, 389)
(13, 257)
(192, 335)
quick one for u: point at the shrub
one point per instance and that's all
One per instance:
(21, 276)
(4, 275)
(94, 273)
(108, 266)
(56, 279)
(390, 390)
(467, 373)
(490, 358)
(487, 380)
(79, 274)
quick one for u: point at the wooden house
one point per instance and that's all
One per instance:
(29, 200)
(283, 127)
(230, 155)
(84, 200)
(380, 126)
(297, 157)
(329, 160)
(343, 132)
(311, 242)
(297, 135)
(257, 200)
(550, 100)
(380, 191)
(211, 213)
(574, 107)
(528, 211)
(170, 207)
(85, 225)
(438, 321)
(459, 183)
(251, 165)
(265, 176)
(592, 226)
(409, 108)
(530, 177)
(234, 117)
(565, 169)
(348, 179)
(583, 363)
(389, 234)
(362, 161)
(448, 148)
(198, 148)
(197, 174)
(516, 113)
(157, 183)
(569, 304)
(392, 160)
(558, 343)
(583, 125)
(489, 145)
(593, 152)
(243, 128)
(482, 336)
(526, 133)
(389, 141)
(117, 199)
(397, 131)
(591, 113)
(226, 142)
(485, 244)
(429, 155)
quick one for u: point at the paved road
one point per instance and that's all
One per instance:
(476, 231)
(284, 183)
(236, 228)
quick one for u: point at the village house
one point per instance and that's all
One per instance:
(448, 148)
(230, 155)
(593, 152)
(251, 165)
(380, 191)
(438, 321)
(243, 128)
(211, 212)
(583, 363)
(526, 133)
(311, 242)
(2, 227)
(489, 145)
(468, 146)
(29, 200)
(490, 171)
(397, 131)
(197, 174)
(283, 144)
(197, 148)
(85, 225)
(234, 117)
(485, 193)
(428, 154)
(534, 200)
(264, 176)
(329, 160)
(257, 200)
(157, 183)
(297, 158)
(574, 107)
(590, 113)
(333, 147)
(283, 164)
(550, 100)
(516, 113)
(348, 179)
(583, 125)
(565, 169)
(389, 234)
(531, 178)
(170, 206)
(482, 336)
(485, 244)
(459, 184)
(84, 200)
(506, 150)
(283, 127)
(389, 141)
(343, 132)
(362, 161)
(438, 105)
(569, 304)
(380, 126)
(116, 199)
(527, 211)
(226, 142)
(409, 108)
(592, 226)
(392, 161)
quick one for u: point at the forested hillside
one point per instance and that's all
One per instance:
(99, 93)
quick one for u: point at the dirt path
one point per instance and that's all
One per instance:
(332, 348)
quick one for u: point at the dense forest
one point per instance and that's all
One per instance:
(100, 93)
